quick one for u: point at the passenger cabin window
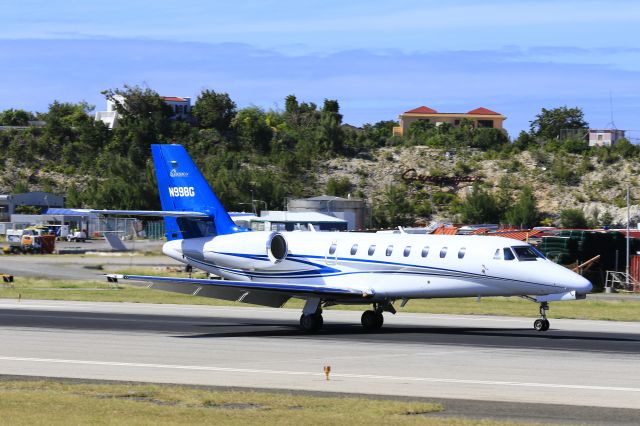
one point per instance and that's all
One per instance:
(407, 251)
(333, 248)
(462, 252)
(354, 249)
(372, 249)
(443, 252)
(425, 251)
(508, 254)
(525, 253)
(389, 250)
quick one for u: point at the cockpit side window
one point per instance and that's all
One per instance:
(497, 255)
(525, 253)
(508, 254)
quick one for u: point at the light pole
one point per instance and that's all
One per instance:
(628, 220)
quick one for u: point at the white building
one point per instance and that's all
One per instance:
(605, 137)
(271, 220)
(181, 108)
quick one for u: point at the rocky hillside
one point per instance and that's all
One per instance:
(559, 181)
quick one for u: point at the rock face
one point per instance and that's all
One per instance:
(559, 181)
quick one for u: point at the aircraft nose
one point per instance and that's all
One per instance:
(581, 285)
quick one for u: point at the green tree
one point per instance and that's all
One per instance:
(573, 218)
(625, 149)
(524, 212)
(252, 129)
(504, 197)
(330, 135)
(15, 117)
(20, 187)
(524, 141)
(549, 123)
(490, 139)
(479, 207)
(605, 219)
(394, 208)
(214, 111)
(73, 199)
(561, 172)
(144, 119)
(420, 130)
(338, 186)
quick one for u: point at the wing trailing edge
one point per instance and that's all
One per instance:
(257, 293)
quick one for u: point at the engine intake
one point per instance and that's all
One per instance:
(277, 248)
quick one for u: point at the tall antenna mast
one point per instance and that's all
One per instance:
(611, 124)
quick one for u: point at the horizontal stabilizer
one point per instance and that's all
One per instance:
(152, 213)
(257, 293)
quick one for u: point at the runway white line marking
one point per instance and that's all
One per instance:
(308, 373)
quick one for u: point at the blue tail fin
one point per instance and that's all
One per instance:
(183, 188)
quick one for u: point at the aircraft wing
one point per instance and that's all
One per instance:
(257, 293)
(153, 213)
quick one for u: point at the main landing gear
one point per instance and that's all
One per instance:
(311, 318)
(373, 319)
(542, 323)
(311, 322)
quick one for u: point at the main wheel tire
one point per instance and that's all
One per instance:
(545, 327)
(539, 324)
(379, 319)
(371, 320)
(311, 323)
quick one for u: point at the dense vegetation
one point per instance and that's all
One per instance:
(252, 153)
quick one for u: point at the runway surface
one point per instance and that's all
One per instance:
(580, 363)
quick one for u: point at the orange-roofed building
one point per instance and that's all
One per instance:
(479, 118)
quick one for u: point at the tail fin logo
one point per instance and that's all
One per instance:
(174, 173)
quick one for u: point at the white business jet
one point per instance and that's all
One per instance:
(333, 268)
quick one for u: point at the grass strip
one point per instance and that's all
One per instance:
(51, 402)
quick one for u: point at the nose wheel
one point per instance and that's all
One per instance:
(542, 323)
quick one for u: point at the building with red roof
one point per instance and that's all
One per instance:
(479, 118)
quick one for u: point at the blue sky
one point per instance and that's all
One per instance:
(377, 58)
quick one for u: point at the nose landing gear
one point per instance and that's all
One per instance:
(542, 324)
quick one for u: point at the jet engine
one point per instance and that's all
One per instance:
(247, 250)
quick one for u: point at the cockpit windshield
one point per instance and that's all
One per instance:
(525, 253)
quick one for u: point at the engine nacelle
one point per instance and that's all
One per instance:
(247, 250)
